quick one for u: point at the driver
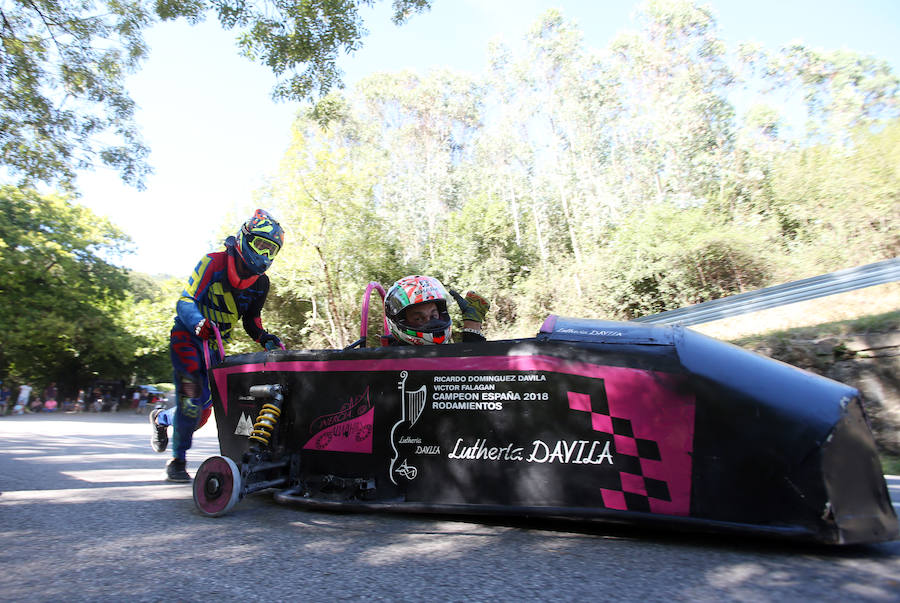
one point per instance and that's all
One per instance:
(226, 286)
(416, 310)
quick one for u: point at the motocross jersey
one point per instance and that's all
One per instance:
(209, 294)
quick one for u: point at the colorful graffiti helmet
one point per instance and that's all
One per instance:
(259, 241)
(411, 291)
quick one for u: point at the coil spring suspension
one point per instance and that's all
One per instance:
(265, 423)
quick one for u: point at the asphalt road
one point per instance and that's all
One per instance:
(84, 516)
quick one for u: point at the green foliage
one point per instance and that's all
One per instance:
(63, 102)
(840, 207)
(63, 105)
(567, 181)
(66, 311)
(477, 252)
(323, 196)
(842, 89)
(300, 41)
(667, 258)
(597, 185)
(147, 315)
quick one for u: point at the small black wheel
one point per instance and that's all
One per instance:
(217, 486)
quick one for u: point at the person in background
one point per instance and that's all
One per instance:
(50, 393)
(5, 399)
(142, 401)
(416, 310)
(22, 400)
(225, 287)
(36, 405)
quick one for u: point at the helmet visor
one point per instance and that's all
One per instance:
(435, 325)
(263, 246)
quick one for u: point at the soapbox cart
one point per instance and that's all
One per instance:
(589, 420)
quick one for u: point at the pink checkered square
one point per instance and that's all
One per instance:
(633, 483)
(613, 499)
(601, 423)
(625, 445)
(579, 401)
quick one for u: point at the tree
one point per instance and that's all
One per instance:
(837, 207)
(674, 130)
(480, 253)
(63, 306)
(147, 314)
(668, 257)
(426, 125)
(842, 90)
(63, 102)
(336, 243)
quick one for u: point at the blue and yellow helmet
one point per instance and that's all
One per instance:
(259, 241)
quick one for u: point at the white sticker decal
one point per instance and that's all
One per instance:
(244, 426)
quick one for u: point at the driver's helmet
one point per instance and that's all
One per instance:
(259, 240)
(411, 291)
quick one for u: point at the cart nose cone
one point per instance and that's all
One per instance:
(859, 504)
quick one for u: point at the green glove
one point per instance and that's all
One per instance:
(473, 307)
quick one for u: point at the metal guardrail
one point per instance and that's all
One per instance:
(879, 273)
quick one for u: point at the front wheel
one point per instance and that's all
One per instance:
(217, 486)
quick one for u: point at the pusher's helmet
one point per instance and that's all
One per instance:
(259, 241)
(411, 291)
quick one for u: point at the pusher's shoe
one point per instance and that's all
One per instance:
(160, 438)
(175, 471)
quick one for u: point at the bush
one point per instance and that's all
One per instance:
(668, 258)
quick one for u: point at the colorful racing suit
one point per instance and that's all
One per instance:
(209, 294)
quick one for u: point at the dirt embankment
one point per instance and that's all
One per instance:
(869, 362)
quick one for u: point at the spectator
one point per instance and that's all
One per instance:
(5, 398)
(142, 402)
(50, 393)
(22, 401)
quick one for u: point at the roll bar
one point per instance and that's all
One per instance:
(364, 322)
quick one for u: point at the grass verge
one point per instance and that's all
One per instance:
(876, 323)
(890, 465)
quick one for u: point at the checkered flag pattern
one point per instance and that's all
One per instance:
(632, 455)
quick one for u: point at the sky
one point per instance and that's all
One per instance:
(215, 134)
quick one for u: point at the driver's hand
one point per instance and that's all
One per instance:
(203, 330)
(473, 307)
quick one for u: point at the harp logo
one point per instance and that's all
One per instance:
(411, 404)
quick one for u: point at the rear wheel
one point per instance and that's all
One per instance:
(217, 486)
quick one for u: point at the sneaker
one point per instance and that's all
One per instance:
(175, 471)
(160, 438)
